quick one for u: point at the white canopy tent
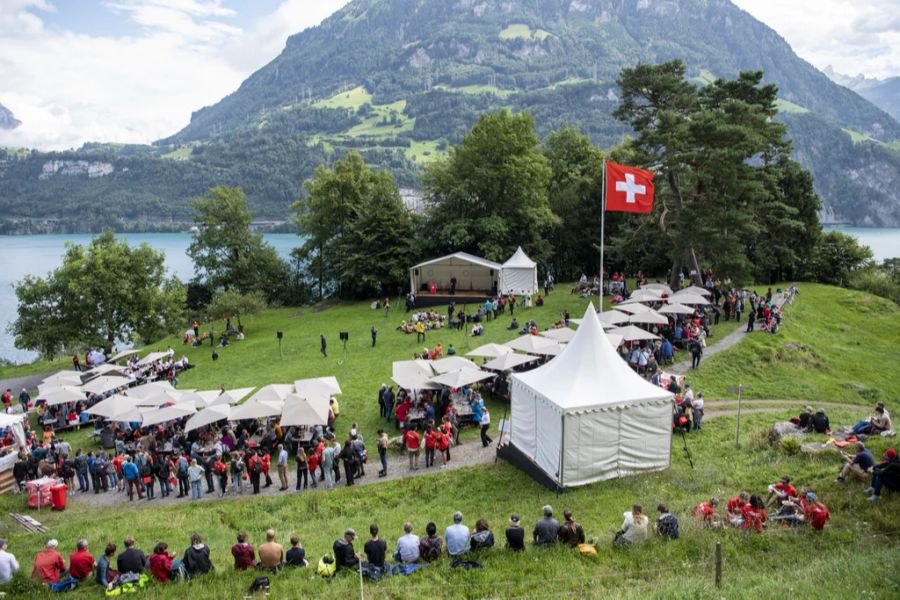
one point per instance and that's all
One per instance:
(586, 416)
(471, 272)
(519, 274)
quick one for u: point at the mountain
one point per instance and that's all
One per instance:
(883, 93)
(403, 79)
(7, 120)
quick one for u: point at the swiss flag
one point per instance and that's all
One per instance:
(628, 189)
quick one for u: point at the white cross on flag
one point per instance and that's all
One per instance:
(628, 189)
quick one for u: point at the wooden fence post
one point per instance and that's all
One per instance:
(718, 564)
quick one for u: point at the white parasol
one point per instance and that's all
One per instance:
(491, 350)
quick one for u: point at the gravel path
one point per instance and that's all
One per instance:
(29, 382)
(470, 452)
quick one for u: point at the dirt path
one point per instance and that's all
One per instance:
(723, 344)
(470, 452)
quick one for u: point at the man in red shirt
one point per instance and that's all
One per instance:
(7, 398)
(412, 440)
(814, 511)
(430, 445)
(81, 563)
(781, 491)
(48, 564)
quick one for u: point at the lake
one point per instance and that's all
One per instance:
(23, 255)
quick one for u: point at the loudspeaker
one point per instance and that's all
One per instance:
(345, 335)
(279, 334)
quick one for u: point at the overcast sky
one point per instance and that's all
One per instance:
(134, 70)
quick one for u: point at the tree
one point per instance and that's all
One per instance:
(102, 293)
(233, 303)
(721, 161)
(227, 254)
(490, 194)
(576, 171)
(837, 257)
(359, 233)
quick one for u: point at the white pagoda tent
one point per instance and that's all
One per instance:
(585, 416)
(519, 274)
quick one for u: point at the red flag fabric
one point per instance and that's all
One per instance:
(628, 189)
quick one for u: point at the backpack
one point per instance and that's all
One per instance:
(257, 467)
(65, 585)
(259, 584)
(327, 567)
(182, 467)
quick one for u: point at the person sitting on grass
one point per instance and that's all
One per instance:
(483, 537)
(781, 491)
(105, 574)
(546, 530)
(820, 422)
(407, 546)
(571, 533)
(880, 421)
(430, 547)
(666, 523)
(344, 555)
(271, 553)
(81, 562)
(131, 560)
(885, 474)
(457, 536)
(515, 534)
(196, 557)
(243, 553)
(804, 422)
(162, 564)
(633, 529)
(734, 509)
(755, 515)
(807, 510)
(860, 464)
(49, 565)
(296, 556)
(706, 512)
(376, 551)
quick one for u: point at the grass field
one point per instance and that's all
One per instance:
(836, 345)
(786, 106)
(524, 32)
(856, 554)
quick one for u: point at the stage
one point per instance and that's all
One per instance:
(444, 298)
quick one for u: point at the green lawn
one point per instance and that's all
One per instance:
(836, 345)
(352, 99)
(524, 32)
(851, 556)
(843, 559)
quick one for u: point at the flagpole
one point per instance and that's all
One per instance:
(602, 232)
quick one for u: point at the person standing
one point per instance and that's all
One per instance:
(195, 475)
(485, 425)
(348, 455)
(382, 443)
(374, 333)
(282, 467)
(696, 354)
(24, 399)
(324, 344)
(412, 441)
(697, 411)
(328, 462)
(132, 478)
(302, 470)
(389, 403)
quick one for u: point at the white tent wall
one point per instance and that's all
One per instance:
(616, 442)
(536, 428)
(519, 281)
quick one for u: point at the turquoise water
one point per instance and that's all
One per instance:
(22, 255)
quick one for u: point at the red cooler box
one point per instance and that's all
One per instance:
(58, 495)
(39, 492)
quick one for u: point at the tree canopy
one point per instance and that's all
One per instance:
(359, 235)
(104, 292)
(227, 253)
(489, 195)
(724, 176)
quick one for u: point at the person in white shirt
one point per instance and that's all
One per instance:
(697, 410)
(8, 563)
(282, 467)
(485, 424)
(688, 394)
(407, 546)
(634, 527)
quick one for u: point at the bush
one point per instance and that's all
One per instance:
(877, 282)
(233, 303)
(790, 445)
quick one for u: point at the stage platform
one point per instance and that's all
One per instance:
(444, 298)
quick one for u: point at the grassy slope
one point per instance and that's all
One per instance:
(851, 549)
(836, 345)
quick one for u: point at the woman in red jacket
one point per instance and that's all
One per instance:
(161, 562)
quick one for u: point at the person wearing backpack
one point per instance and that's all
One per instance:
(81, 470)
(98, 473)
(182, 475)
(221, 470)
(162, 471)
(237, 472)
(255, 468)
(147, 479)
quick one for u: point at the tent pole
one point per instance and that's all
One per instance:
(562, 451)
(602, 233)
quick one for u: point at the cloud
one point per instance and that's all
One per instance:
(68, 88)
(854, 37)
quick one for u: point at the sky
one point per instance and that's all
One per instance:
(133, 71)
